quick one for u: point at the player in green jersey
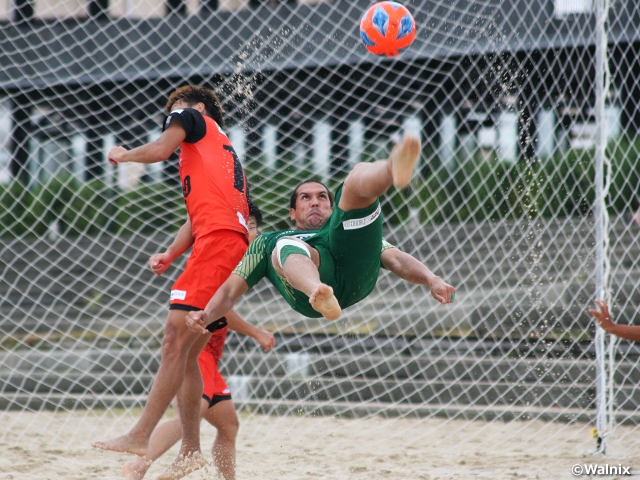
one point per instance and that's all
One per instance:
(321, 271)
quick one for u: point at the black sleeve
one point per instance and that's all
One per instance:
(192, 122)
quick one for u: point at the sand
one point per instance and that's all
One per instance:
(55, 446)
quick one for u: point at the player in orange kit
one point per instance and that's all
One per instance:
(215, 192)
(216, 405)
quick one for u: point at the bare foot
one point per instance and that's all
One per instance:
(403, 158)
(183, 466)
(135, 470)
(125, 444)
(323, 301)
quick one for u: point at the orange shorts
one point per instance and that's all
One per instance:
(213, 258)
(215, 388)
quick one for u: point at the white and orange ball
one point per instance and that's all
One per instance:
(387, 28)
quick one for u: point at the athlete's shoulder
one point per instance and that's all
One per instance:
(192, 122)
(183, 115)
(218, 128)
(258, 244)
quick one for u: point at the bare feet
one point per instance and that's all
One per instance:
(135, 470)
(125, 444)
(323, 301)
(403, 158)
(183, 466)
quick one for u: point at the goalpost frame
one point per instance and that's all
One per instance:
(604, 357)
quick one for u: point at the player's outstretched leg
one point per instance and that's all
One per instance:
(298, 263)
(324, 301)
(367, 181)
(403, 158)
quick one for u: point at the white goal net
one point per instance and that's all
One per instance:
(522, 108)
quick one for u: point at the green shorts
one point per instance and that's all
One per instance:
(349, 245)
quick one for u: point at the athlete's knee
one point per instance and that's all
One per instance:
(285, 247)
(172, 342)
(354, 186)
(355, 173)
(173, 347)
(231, 425)
(228, 427)
(223, 417)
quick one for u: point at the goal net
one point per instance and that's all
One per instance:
(516, 129)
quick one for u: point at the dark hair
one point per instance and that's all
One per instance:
(193, 94)
(255, 212)
(294, 194)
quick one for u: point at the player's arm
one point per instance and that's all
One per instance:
(183, 241)
(221, 303)
(629, 332)
(236, 323)
(412, 270)
(152, 152)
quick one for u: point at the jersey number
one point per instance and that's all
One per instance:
(186, 186)
(238, 172)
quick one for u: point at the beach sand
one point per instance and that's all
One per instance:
(56, 445)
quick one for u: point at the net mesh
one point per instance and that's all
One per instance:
(501, 206)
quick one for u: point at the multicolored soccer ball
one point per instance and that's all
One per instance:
(387, 28)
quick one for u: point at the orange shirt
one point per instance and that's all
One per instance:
(213, 181)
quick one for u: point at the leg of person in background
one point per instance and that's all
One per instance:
(165, 436)
(224, 418)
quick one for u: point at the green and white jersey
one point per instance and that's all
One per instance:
(256, 264)
(349, 244)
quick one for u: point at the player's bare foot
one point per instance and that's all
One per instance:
(135, 470)
(403, 158)
(124, 444)
(183, 466)
(324, 301)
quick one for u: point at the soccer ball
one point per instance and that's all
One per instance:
(387, 28)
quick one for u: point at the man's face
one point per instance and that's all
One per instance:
(252, 226)
(313, 207)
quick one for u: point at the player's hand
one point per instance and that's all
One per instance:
(266, 340)
(442, 291)
(160, 262)
(198, 321)
(116, 155)
(602, 315)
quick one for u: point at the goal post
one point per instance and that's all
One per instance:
(525, 199)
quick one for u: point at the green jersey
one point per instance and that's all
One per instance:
(349, 244)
